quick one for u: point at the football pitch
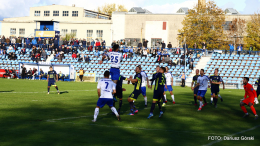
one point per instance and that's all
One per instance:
(30, 117)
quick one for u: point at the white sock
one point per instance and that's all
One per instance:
(201, 103)
(165, 97)
(145, 100)
(173, 98)
(96, 113)
(211, 99)
(113, 109)
(219, 96)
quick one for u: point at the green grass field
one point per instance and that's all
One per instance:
(30, 117)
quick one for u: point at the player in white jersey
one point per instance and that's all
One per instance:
(106, 88)
(202, 83)
(143, 86)
(168, 85)
(115, 58)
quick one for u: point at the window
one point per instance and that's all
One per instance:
(65, 13)
(164, 25)
(56, 13)
(64, 32)
(89, 35)
(74, 31)
(37, 13)
(74, 13)
(99, 34)
(12, 31)
(21, 31)
(90, 15)
(46, 13)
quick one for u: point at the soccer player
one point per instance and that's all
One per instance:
(258, 87)
(218, 90)
(137, 81)
(51, 78)
(168, 85)
(202, 83)
(119, 91)
(115, 58)
(251, 94)
(193, 84)
(105, 89)
(143, 86)
(158, 91)
(154, 75)
(215, 81)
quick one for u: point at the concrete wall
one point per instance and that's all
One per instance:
(0, 28)
(118, 27)
(154, 29)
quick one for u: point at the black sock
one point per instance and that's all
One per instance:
(216, 101)
(57, 88)
(195, 99)
(120, 104)
(163, 99)
(152, 108)
(48, 89)
(204, 100)
(131, 107)
(134, 106)
(159, 105)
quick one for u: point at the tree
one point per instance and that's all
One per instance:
(69, 36)
(110, 8)
(237, 30)
(253, 32)
(203, 23)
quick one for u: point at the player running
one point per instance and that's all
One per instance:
(211, 99)
(105, 89)
(252, 98)
(137, 81)
(119, 91)
(202, 83)
(195, 90)
(115, 58)
(51, 78)
(168, 85)
(158, 91)
(258, 87)
(143, 86)
(215, 81)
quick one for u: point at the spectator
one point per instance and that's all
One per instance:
(163, 45)
(81, 73)
(182, 59)
(87, 59)
(125, 56)
(239, 49)
(204, 46)
(34, 73)
(195, 46)
(144, 52)
(56, 43)
(110, 49)
(7, 73)
(190, 62)
(185, 47)
(140, 45)
(74, 56)
(92, 43)
(183, 78)
(44, 46)
(157, 45)
(34, 42)
(41, 74)
(23, 72)
(231, 48)
(81, 57)
(197, 54)
(7, 40)
(250, 49)
(27, 41)
(135, 43)
(19, 42)
(159, 59)
(128, 43)
(40, 42)
(153, 52)
(96, 54)
(13, 74)
(61, 76)
(145, 43)
(38, 59)
(2, 51)
(169, 45)
(44, 41)
(103, 45)
(29, 74)
(13, 41)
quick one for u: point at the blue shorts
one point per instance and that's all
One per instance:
(196, 90)
(201, 93)
(169, 88)
(115, 73)
(51, 83)
(134, 95)
(103, 101)
(143, 90)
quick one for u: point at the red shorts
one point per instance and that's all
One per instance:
(247, 100)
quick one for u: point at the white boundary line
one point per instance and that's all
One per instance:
(44, 91)
(209, 144)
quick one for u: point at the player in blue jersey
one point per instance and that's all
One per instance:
(52, 78)
(258, 87)
(115, 58)
(136, 81)
(193, 84)
(215, 81)
(158, 91)
(202, 83)
(105, 89)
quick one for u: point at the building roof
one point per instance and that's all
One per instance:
(231, 11)
(137, 9)
(183, 10)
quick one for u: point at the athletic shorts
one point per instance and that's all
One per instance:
(51, 83)
(115, 73)
(158, 95)
(214, 90)
(250, 99)
(169, 88)
(119, 93)
(201, 93)
(143, 90)
(196, 90)
(134, 95)
(103, 101)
